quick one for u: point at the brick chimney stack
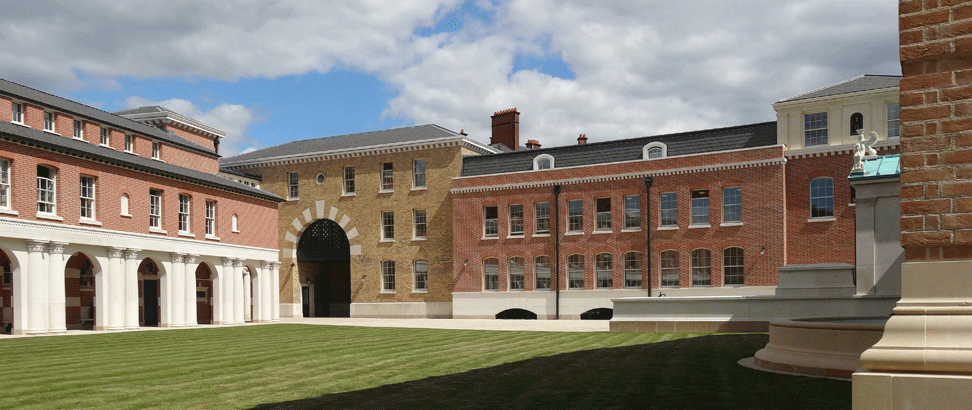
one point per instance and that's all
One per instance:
(533, 144)
(506, 128)
(463, 132)
(582, 139)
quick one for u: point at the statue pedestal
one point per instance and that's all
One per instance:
(924, 358)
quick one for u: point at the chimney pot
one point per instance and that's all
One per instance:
(582, 139)
(463, 132)
(533, 144)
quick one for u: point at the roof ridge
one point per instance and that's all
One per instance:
(824, 87)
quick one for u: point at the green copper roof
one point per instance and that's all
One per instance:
(885, 166)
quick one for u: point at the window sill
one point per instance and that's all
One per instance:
(50, 217)
(667, 228)
(130, 152)
(212, 237)
(186, 234)
(851, 204)
(631, 230)
(105, 145)
(573, 233)
(386, 240)
(421, 188)
(699, 226)
(345, 195)
(7, 211)
(88, 221)
(158, 159)
(387, 292)
(235, 231)
(78, 138)
(489, 237)
(292, 199)
(420, 238)
(20, 124)
(51, 132)
(541, 235)
(520, 236)
(126, 215)
(420, 291)
(516, 290)
(541, 290)
(602, 231)
(386, 191)
(825, 219)
(158, 230)
(731, 224)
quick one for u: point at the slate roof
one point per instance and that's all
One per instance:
(157, 112)
(684, 143)
(347, 142)
(24, 93)
(860, 83)
(69, 146)
(885, 166)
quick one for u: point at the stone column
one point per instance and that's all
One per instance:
(226, 278)
(178, 294)
(266, 290)
(238, 316)
(19, 297)
(56, 314)
(112, 272)
(275, 291)
(256, 298)
(129, 275)
(924, 359)
(37, 277)
(191, 266)
(247, 295)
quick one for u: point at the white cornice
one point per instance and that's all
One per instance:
(176, 119)
(827, 98)
(825, 150)
(617, 177)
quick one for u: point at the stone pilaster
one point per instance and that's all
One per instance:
(130, 278)
(56, 320)
(178, 293)
(191, 266)
(37, 277)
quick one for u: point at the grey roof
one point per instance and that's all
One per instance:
(69, 146)
(241, 174)
(144, 110)
(157, 112)
(347, 142)
(43, 99)
(860, 83)
(684, 143)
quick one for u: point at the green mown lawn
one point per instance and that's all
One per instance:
(358, 367)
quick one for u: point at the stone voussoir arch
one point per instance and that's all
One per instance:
(308, 216)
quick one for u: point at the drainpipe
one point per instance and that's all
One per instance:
(648, 181)
(557, 250)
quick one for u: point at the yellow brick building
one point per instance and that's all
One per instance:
(366, 228)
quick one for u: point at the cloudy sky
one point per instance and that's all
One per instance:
(272, 71)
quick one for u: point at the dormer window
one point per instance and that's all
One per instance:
(48, 121)
(78, 129)
(155, 149)
(17, 113)
(543, 161)
(655, 150)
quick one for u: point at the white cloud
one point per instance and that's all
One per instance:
(234, 119)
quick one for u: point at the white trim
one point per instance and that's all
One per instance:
(7, 211)
(654, 144)
(724, 224)
(187, 234)
(49, 216)
(89, 221)
(826, 150)
(822, 219)
(667, 228)
(158, 230)
(698, 226)
(536, 162)
(541, 235)
(212, 237)
(615, 177)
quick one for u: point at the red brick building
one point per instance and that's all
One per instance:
(559, 232)
(109, 223)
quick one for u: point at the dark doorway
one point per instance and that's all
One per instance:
(598, 314)
(79, 285)
(204, 295)
(324, 261)
(150, 297)
(6, 292)
(516, 314)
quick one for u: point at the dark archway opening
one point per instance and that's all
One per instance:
(516, 313)
(598, 314)
(324, 263)
(6, 294)
(149, 292)
(204, 295)
(856, 123)
(79, 292)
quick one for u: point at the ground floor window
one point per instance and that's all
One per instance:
(603, 270)
(575, 272)
(732, 266)
(491, 274)
(516, 273)
(541, 269)
(632, 270)
(669, 268)
(388, 276)
(701, 268)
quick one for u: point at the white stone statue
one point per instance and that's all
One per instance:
(863, 150)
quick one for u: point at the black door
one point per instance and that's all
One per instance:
(305, 299)
(150, 295)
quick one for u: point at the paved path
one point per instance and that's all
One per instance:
(469, 324)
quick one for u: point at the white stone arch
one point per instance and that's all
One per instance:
(15, 316)
(541, 157)
(309, 216)
(251, 291)
(654, 144)
(215, 286)
(165, 288)
(58, 308)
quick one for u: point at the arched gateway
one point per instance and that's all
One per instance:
(324, 263)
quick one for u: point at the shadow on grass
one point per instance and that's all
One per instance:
(695, 373)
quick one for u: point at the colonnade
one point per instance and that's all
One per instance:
(38, 298)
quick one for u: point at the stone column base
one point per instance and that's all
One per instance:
(887, 391)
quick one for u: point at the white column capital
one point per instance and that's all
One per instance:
(239, 263)
(190, 258)
(36, 246)
(265, 265)
(132, 253)
(114, 252)
(177, 257)
(56, 247)
(227, 262)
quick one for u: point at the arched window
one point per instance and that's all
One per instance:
(732, 266)
(541, 269)
(655, 150)
(235, 223)
(669, 268)
(575, 271)
(603, 270)
(491, 274)
(822, 197)
(632, 270)
(543, 161)
(701, 267)
(516, 273)
(123, 205)
(46, 190)
(856, 122)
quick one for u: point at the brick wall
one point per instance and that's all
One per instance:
(936, 129)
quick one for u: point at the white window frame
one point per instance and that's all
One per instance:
(293, 187)
(517, 275)
(105, 136)
(388, 276)
(893, 121)
(672, 207)
(516, 220)
(155, 209)
(5, 188)
(491, 224)
(815, 128)
(602, 219)
(490, 275)
(88, 197)
(156, 150)
(632, 212)
(727, 208)
(420, 224)
(575, 217)
(387, 173)
(735, 264)
(421, 272)
(130, 143)
(47, 192)
(123, 205)
(50, 121)
(185, 213)
(348, 181)
(817, 196)
(701, 273)
(537, 162)
(235, 224)
(575, 271)
(541, 272)
(78, 129)
(210, 218)
(633, 263)
(17, 112)
(603, 271)
(669, 268)
(646, 151)
(418, 174)
(541, 216)
(699, 205)
(387, 226)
